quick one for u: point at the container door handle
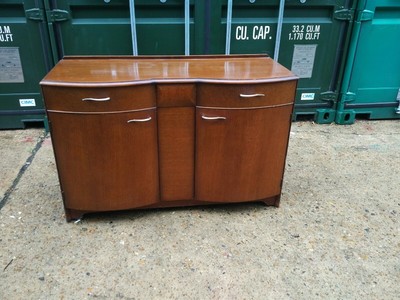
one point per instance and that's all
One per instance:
(251, 95)
(213, 118)
(139, 120)
(97, 99)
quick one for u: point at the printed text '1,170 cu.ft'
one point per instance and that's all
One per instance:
(305, 32)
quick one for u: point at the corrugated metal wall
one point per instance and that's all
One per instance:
(344, 51)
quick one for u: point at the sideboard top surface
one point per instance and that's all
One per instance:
(100, 71)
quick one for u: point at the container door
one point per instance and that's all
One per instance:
(24, 60)
(313, 38)
(371, 86)
(104, 27)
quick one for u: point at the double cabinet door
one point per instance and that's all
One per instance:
(112, 159)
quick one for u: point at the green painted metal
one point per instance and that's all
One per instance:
(316, 36)
(324, 25)
(103, 27)
(314, 39)
(371, 81)
(24, 59)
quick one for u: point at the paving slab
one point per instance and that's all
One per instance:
(335, 235)
(16, 146)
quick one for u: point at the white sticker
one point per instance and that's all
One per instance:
(307, 96)
(303, 60)
(27, 102)
(10, 65)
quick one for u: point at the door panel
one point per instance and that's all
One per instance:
(240, 153)
(24, 60)
(103, 27)
(375, 75)
(104, 162)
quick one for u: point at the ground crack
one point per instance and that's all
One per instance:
(22, 171)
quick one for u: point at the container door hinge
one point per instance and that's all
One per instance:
(57, 15)
(365, 15)
(348, 97)
(328, 96)
(344, 14)
(35, 14)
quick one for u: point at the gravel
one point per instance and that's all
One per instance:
(335, 235)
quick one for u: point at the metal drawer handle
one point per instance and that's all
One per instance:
(213, 118)
(251, 95)
(97, 99)
(139, 120)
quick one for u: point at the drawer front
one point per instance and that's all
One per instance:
(246, 95)
(102, 99)
(174, 95)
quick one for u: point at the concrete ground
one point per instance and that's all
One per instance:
(336, 234)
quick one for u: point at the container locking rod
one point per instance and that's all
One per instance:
(133, 27)
(187, 27)
(228, 28)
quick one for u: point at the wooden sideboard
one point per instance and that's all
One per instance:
(144, 132)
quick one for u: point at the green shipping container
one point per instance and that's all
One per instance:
(371, 84)
(24, 59)
(122, 27)
(311, 37)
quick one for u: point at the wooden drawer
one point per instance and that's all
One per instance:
(102, 99)
(245, 95)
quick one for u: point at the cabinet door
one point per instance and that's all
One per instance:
(106, 161)
(240, 153)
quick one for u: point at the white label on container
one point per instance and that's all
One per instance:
(10, 65)
(27, 102)
(303, 60)
(307, 96)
